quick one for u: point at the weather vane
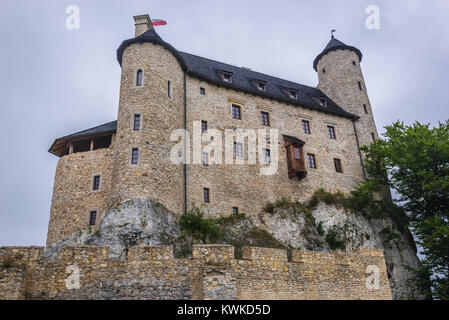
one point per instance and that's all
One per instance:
(332, 33)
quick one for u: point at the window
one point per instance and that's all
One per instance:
(236, 112)
(265, 118)
(136, 122)
(306, 126)
(205, 159)
(261, 86)
(297, 152)
(293, 95)
(373, 136)
(134, 156)
(169, 89)
(203, 126)
(238, 150)
(139, 78)
(322, 102)
(365, 108)
(311, 160)
(337, 164)
(92, 217)
(202, 91)
(266, 155)
(235, 210)
(353, 63)
(96, 183)
(324, 70)
(227, 78)
(360, 85)
(206, 195)
(331, 132)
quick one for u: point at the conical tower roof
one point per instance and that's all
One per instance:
(335, 44)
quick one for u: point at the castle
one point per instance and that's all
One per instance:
(140, 166)
(162, 89)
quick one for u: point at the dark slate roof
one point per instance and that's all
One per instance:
(95, 131)
(336, 44)
(294, 139)
(208, 70)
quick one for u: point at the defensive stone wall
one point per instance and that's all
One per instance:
(152, 272)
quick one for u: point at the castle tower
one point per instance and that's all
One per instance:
(340, 77)
(151, 106)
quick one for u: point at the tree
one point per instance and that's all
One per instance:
(416, 161)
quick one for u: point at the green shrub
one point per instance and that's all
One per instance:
(320, 229)
(335, 238)
(194, 223)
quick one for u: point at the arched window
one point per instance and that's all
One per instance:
(139, 78)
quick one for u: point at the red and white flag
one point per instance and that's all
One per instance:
(158, 22)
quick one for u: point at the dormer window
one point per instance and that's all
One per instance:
(293, 94)
(323, 102)
(227, 78)
(261, 86)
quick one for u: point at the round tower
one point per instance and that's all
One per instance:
(340, 77)
(151, 106)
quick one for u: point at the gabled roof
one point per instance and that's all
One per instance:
(208, 70)
(335, 44)
(103, 129)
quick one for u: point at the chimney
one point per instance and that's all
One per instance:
(143, 24)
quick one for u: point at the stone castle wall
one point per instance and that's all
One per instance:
(73, 198)
(212, 273)
(339, 82)
(155, 176)
(243, 186)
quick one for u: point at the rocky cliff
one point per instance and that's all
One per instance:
(286, 225)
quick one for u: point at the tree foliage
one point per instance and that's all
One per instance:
(414, 161)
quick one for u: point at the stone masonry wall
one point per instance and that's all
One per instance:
(73, 198)
(154, 176)
(213, 273)
(339, 82)
(243, 186)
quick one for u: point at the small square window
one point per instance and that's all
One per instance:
(265, 118)
(311, 160)
(206, 197)
(227, 78)
(205, 158)
(238, 150)
(353, 63)
(266, 155)
(235, 210)
(306, 126)
(297, 153)
(136, 122)
(324, 70)
(92, 217)
(293, 95)
(96, 183)
(337, 164)
(134, 156)
(203, 126)
(236, 112)
(261, 86)
(202, 91)
(331, 132)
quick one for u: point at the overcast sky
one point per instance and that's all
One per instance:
(55, 81)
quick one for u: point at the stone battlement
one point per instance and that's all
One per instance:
(152, 272)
